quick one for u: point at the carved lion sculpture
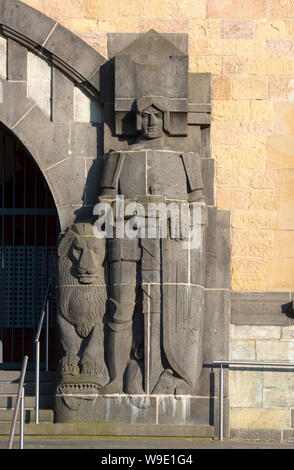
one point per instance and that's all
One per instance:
(82, 304)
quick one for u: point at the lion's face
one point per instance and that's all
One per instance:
(86, 253)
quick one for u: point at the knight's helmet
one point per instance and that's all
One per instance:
(151, 71)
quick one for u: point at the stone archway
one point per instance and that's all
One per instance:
(50, 84)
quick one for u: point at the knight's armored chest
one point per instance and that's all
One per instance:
(137, 173)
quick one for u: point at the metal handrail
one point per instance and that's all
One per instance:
(19, 399)
(45, 311)
(221, 396)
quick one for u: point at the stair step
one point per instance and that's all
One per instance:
(98, 429)
(12, 388)
(29, 415)
(13, 376)
(45, 401)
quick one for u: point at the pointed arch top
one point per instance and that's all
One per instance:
(48, 38)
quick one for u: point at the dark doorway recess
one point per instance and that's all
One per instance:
(28, 236)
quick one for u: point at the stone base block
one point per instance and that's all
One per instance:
(57, 430)
(256, 434)
(105, 409)
(139, 409)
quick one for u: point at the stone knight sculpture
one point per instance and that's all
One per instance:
(154, 339)
(144, 305)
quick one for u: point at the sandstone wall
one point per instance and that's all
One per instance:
(248, 46)
(261, 398)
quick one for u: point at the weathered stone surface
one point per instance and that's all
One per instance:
(72, 50)
(292, 418)
(278, 398)
(227, 9)
(245, 265)
(258, 243)
(275, 351)
(285, 209)
(74, 214)
(255, 332)
(3, 57)
(232, 199)
(206, 65)
(221, 133)
(17, 61)
(284, 115)
(117, 429)
(259, 434)
(207, 170)
(288, 435)
(242, 350)
(255, 220)
(234, 65)
(246, 388)
(26, 20)
(86, 109)
(152, 10)
(199, 88)
(285, 280)
(39, 82)
(48, 142)
(251, 88)
(258, 418)
(191, 411)
(72, 169)
(218, 251)
(285, 184)
(215, 342)
(231, 110)
(248, 282)
(254, 178)
(280, 151)
(263, 308)
(278, 378)
(216, 325)
(93, 172)
(273, 29)
(262, 110)
(279, 48)
(62, 109)
(16, 95)
(288, 332)
(263, 199)
(231, 157)
(221, 87)
(106, 409)
(284, 9)
(270, 65)
(236, 29)
(279, 86)
(116, 42)
(85, 140)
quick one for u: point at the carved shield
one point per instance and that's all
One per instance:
(182, 315)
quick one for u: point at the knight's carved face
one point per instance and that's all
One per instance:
(85, 254)
(152, 123)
